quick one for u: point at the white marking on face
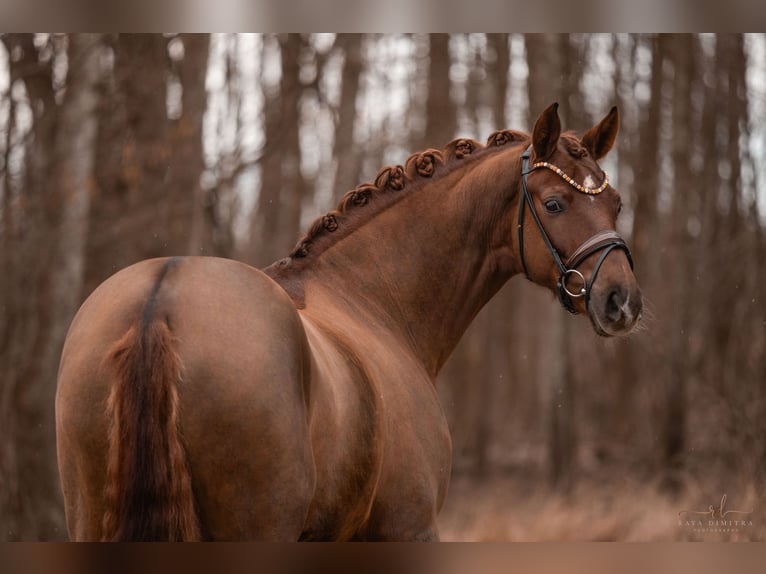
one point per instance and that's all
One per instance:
(625, 308)
(588, 183)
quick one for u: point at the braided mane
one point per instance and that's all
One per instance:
(390, 185)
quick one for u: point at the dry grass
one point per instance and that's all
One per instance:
(513, 508)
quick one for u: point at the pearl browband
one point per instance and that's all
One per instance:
(579, 187)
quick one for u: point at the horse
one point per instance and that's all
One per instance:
(200, 398)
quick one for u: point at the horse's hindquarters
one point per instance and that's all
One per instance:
(245, 418)
(241, 406)
(83, 388)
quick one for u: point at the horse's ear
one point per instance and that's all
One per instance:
(546, 134)
(599, 139)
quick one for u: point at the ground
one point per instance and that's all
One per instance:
(513, 507)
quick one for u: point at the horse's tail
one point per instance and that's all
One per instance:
(149, 492)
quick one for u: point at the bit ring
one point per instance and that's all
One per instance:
(564, 278)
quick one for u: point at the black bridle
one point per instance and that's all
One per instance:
(605, 241)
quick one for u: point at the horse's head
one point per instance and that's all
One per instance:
(566, 216)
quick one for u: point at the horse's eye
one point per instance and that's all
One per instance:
(553, 206)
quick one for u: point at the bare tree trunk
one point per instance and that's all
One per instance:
(49, 272)
(640, 354)
(624, 362)
(739, 247)
(494, 331)
(549, 53)
(293, 187)
(709, 185)
(131, 206)
(646, 167)
(142, 78)
(190, 224)
(265, 220)
(73, 168)
(348, 159)
(74, 154)
(441, 115)
(735, 225)
(498, 71)
(277, 217)
(27, 470)
(680, 47)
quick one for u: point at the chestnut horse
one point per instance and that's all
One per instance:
(202, 399)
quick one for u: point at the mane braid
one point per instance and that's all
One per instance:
(392, 182)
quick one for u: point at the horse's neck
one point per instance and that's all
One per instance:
(423, 268)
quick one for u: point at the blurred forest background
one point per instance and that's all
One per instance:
(116, 148)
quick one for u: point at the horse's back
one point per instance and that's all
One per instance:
(242, 358)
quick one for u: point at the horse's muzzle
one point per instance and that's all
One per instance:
(616, 310)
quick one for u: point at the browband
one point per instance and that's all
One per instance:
(578, 186)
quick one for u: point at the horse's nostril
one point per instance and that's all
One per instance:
(614, 306)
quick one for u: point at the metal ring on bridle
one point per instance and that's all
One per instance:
(564, 278)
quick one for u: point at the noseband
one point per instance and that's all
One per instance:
(604, 241)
